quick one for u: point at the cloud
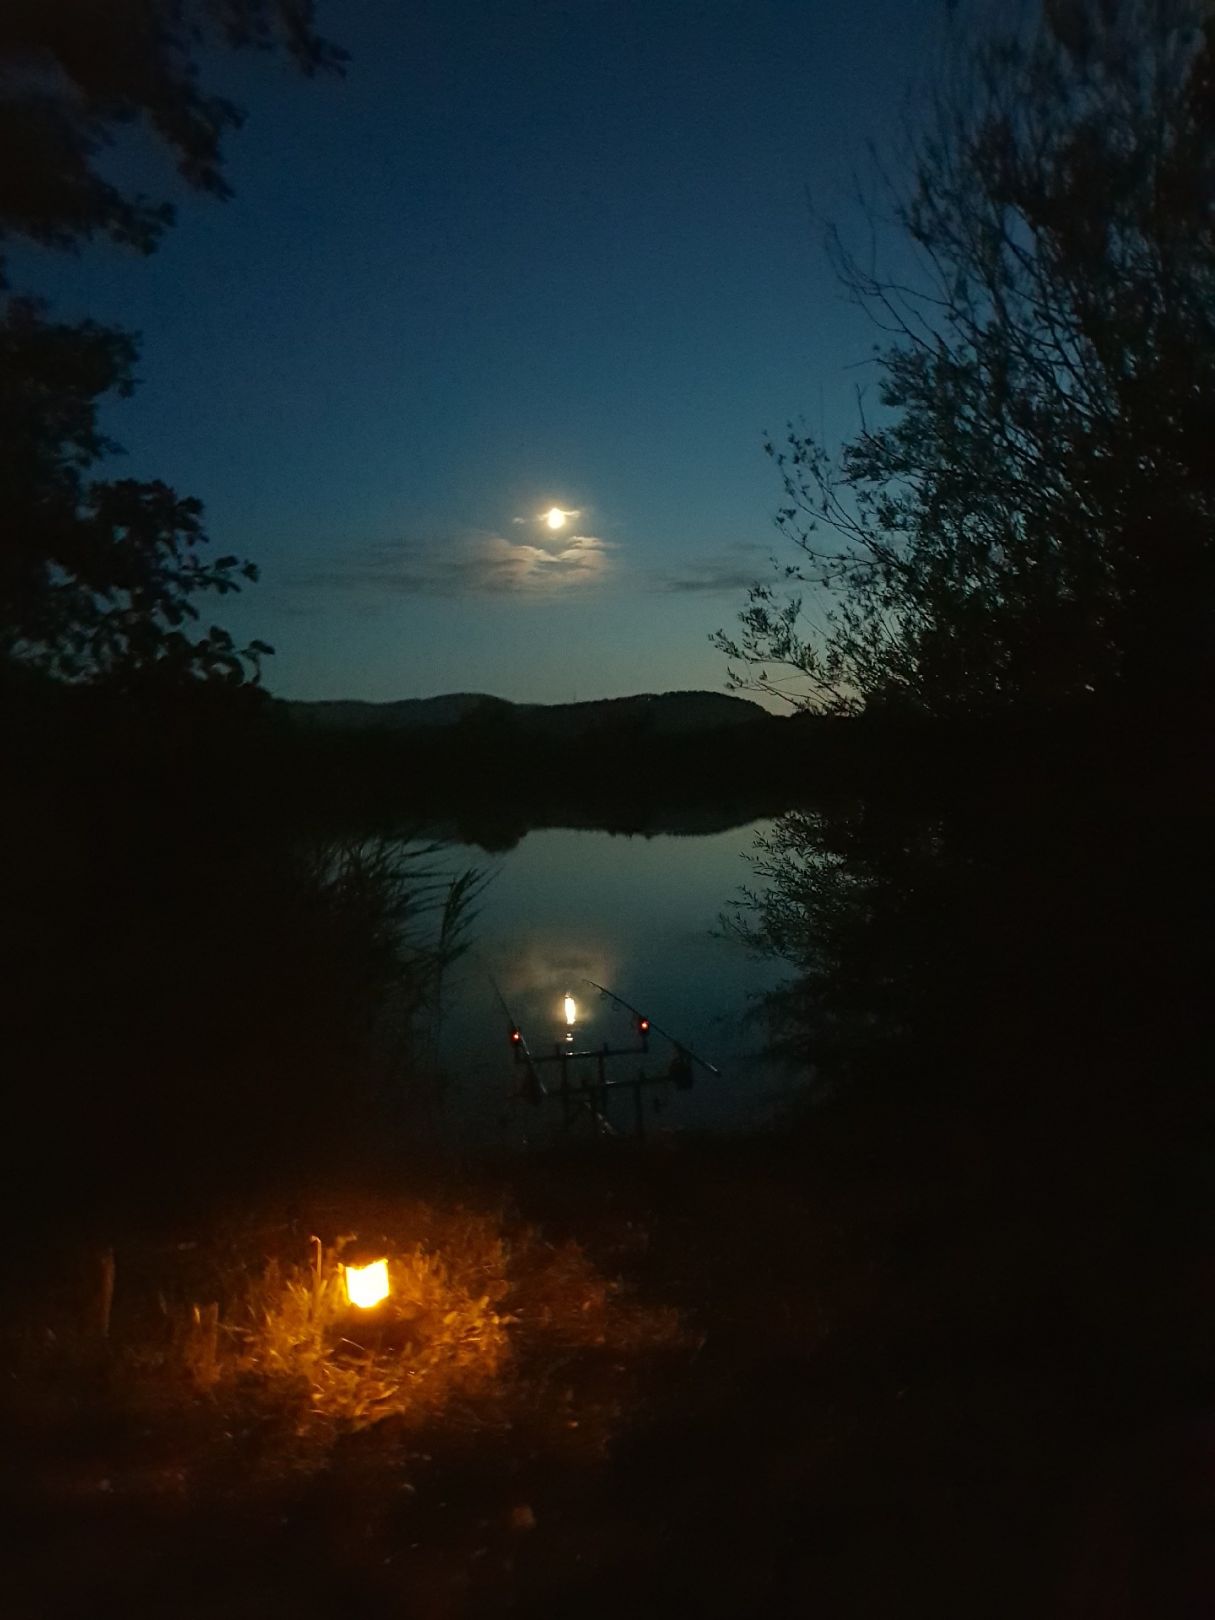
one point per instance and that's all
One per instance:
(538, 566)
(476, 563)
(569, 513)
(724, 573)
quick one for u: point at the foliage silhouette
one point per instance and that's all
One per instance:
(80, 74)
(1017, 562)
(97, 577)
(1030, 519)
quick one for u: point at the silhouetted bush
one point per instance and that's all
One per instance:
(203, 984)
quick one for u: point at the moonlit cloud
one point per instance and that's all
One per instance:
(476, 563)
(570, 513)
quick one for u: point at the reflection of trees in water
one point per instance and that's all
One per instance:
(498, 835)
(1026, 927)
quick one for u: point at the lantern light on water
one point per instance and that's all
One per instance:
(367, 1285)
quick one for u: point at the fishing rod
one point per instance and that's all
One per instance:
(536, 1091)
(534, 1087)
(650, 1024)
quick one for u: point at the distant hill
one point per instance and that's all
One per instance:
(661, 714)
(484, 770)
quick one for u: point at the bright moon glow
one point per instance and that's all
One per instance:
(367, 1285)
(555, 518)
(571, 1009)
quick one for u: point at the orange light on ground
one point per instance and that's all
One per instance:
(367, 1285)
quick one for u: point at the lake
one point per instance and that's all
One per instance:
(639, 915)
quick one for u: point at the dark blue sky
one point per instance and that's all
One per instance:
(524, 255)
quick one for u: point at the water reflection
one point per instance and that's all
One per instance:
(566, 910)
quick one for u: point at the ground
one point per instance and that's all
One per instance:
(887, 1394)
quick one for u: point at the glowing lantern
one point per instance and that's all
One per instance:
(367, 1285)
(571, 1009)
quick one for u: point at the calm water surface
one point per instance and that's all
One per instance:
(638, 915)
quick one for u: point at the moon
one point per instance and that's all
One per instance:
(555, 518)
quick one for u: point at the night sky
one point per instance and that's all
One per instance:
(522, 256)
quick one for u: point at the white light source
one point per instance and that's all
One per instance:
(555, 518)
(571, 1009)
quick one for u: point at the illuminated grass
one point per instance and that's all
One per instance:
(439, 1334)
(475, 1305)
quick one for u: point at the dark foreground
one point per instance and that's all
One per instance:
(985, 1389)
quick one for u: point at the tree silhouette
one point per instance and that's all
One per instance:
(1018, 564)
(1033, 523)
(77, 73)
(97, 576)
